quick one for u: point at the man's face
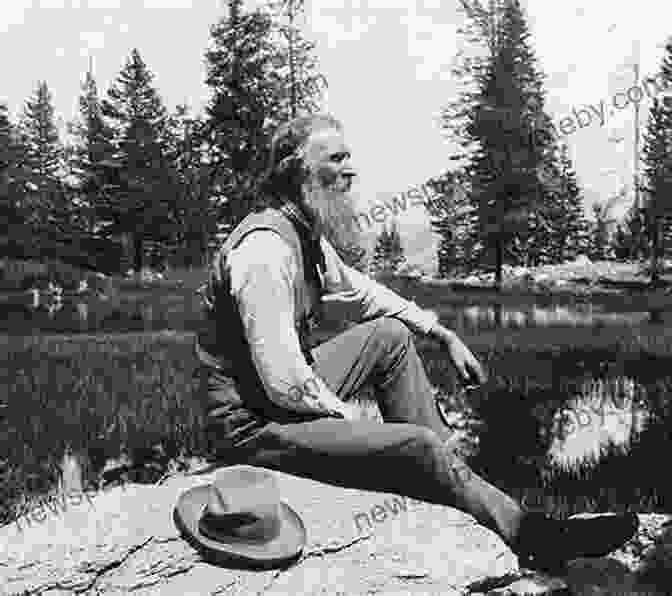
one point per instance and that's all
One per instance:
(326, 192)
(328, 157)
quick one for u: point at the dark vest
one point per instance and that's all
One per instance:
(222, 343)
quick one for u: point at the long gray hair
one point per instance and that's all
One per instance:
(286, 170)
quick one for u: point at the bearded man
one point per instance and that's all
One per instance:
(275, 400)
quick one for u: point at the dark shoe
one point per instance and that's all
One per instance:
(548, 544)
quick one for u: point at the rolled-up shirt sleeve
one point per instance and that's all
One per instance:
(361, 298)
(263, 269)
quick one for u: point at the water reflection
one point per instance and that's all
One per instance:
(112, 312)
(594, 419)
(53, 307)
(498, 316)
(147, 312)
(23, 313)
(83, 311)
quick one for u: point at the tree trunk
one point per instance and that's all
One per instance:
(127, 251)
(499, 318)
(292, 62)
(655, 249)
(137, 252)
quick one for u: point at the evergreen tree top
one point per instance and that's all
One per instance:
(44, 152)
(132, 96)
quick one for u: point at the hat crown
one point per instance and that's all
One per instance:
(242, 521)
(244, 504)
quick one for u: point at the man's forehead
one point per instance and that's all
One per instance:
(326, 141)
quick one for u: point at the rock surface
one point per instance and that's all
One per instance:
(123, 541)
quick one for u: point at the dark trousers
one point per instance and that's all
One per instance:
(405, 454)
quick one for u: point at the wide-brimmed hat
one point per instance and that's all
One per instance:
(239, 520)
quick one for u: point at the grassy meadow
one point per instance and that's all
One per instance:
(134, 395)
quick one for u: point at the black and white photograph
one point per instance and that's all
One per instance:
(300, 297)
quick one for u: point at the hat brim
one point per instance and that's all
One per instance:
(280, 551)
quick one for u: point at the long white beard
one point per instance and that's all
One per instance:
(333, 209)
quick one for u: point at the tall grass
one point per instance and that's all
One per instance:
(105, 396)
(110, 396)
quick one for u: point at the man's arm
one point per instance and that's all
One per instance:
(369, 299)
(263, 269)
(363, 298)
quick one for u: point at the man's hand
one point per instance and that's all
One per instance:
(348, 411)
(468, 368)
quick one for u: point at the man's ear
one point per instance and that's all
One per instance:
(288, 165)
(285, 164)
(293, 169)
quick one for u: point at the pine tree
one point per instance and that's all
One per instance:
(568, 232)
(15, 235)
(194, 210)
(479, 29)
(303, 83)
(504, 138)
(388, 254)
(244, 106)
(539, 244)
(479, 32)
(43, 161)
(255, 87)
(92, 148)
(140, 205)
(574, 219)
(620, 244)
(658, 171)
(450, 217)
(634, 229)
(51, 207)
(629, 239)
(599, 242)
(89, 154)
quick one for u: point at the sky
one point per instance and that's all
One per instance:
(388, 65)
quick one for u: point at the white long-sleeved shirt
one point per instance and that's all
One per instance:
(264, 271)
